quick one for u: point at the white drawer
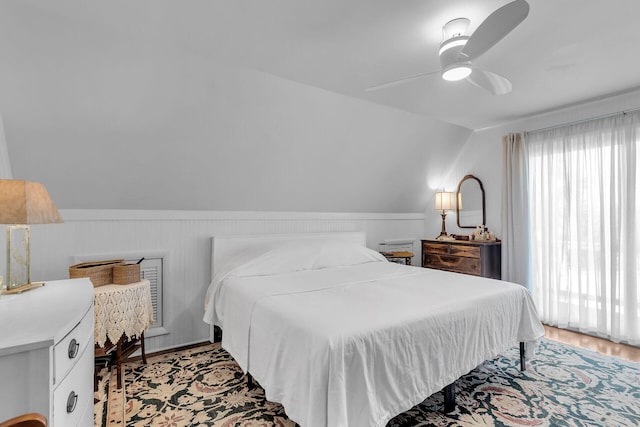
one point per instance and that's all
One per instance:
(72, 396)
(86, 419)
(69, 349)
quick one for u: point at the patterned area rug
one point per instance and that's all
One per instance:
(563, 386)
(108, 401)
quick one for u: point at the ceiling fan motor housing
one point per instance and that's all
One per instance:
(453, 61)
(450, 50)
(455, 28)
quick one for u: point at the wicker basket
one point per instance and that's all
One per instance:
(99, 272)
(123, 274)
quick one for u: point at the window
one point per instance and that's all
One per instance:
(584, 206)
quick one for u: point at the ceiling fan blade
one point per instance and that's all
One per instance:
(497, 25)
(494, 83)
(399, 81)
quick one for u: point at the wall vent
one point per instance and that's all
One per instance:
(151, 269)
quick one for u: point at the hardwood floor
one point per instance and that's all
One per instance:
(600, 345)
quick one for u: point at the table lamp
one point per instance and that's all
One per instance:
(444, 202)
(23, 203)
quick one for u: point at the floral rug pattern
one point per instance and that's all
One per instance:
(563, 386)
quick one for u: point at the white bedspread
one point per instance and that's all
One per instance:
(357, 345)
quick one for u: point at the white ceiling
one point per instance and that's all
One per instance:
(565, 52)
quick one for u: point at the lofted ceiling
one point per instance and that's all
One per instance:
(565, 52)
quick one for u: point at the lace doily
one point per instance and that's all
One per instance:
(122, 310)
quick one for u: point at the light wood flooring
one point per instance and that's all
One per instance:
(600, 345)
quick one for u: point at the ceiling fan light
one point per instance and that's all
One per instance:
(453, 42)
(455, 72)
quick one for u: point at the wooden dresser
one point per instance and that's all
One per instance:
(46, 353)
(461, 256)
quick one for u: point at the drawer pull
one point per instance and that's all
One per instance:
(73, 348)
(72, 400)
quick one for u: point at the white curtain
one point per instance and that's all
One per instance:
(515, 211)
(5, 165)
(584, 210)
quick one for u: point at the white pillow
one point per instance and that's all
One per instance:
(341, 254)
(279, 259)
(309, 255)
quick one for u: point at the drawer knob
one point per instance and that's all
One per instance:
(73, 348)
(72, 400)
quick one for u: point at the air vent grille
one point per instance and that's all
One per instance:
(151, 269)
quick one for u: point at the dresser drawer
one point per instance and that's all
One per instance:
(435, 248)
(68, 350)
(451, 249)
(72, 396)
(466, 251)
(454, 263)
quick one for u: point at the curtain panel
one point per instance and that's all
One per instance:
(516, 260)
(5, 164)
(584, 206)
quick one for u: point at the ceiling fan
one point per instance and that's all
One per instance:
(457, 51)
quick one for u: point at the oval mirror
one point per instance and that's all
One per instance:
(470, 210)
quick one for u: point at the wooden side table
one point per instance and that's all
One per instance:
(403, 255)
(122, 314)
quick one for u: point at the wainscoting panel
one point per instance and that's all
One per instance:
(184, 238)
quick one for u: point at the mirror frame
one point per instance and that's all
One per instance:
(484, 214)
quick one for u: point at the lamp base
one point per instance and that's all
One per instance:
(445, 237)
(443, 233)
(18, 256)
(23, 288)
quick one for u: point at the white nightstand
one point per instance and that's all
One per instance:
(46, 353)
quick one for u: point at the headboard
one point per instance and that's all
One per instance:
(224, 247)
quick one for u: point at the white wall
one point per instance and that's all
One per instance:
(185, 237)
(146, 147)
(482, 155)
(108, 118)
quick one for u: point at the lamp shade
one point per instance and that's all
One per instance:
(26, 202)
(445, 201)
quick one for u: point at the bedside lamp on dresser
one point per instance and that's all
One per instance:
(23, 203)
(444, 202)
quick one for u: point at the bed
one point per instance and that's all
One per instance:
(342, 337)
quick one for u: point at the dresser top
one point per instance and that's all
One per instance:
(42, 316)
(463, 242)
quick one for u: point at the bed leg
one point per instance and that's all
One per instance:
(523, 366)
(250, 383)
(217, 334)
(449, 398)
